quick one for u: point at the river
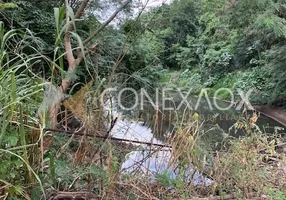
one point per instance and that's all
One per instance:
(154, 126)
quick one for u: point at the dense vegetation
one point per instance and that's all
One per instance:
(81, 47)
(232, 44)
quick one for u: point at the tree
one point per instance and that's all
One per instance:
(75, 57)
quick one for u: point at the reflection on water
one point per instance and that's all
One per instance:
(132, 130)
(150, 161)
(155, 125)
(144, 163)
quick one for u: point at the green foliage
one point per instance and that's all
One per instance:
(164, 180)
(141, 64)
(275, 59)
(30, 15)
(276, 194)
(7, 5)
(236, 44)
(172, 24)
(19, 99)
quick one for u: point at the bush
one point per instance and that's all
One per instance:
(244, 169)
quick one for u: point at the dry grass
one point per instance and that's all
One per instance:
(252, 165)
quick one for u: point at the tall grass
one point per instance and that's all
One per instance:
(20, 96)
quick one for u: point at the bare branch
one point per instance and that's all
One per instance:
(67, 81)
(68, 49)
(78, 14)
(102, 26)
(81, 9)
(107, 137)
(67, 42)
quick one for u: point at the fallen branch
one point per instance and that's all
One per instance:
(106, 137)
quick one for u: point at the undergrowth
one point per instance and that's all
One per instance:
(87, 160)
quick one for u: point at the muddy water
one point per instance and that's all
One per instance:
(153, 126)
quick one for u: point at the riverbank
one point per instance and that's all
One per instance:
(273, 112)
(186, 79)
